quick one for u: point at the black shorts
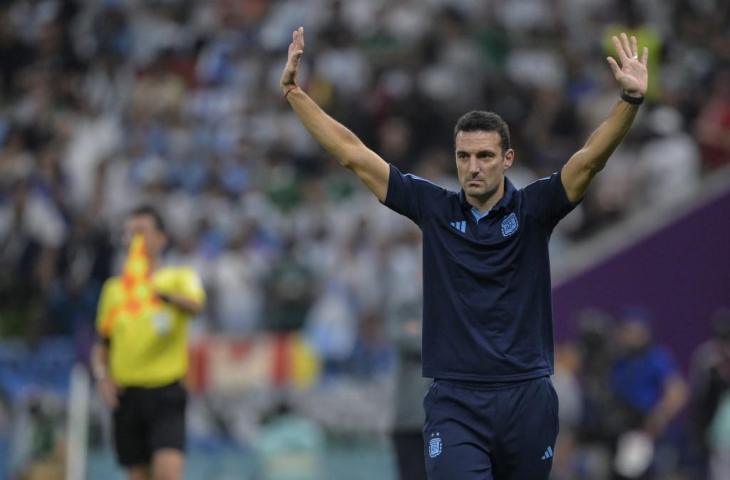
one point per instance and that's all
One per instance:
(147, 420)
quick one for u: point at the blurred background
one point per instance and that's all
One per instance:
(304, 363)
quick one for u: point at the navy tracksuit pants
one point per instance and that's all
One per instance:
(484, 432)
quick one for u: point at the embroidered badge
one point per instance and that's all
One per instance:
(434, 446)
(509, 225)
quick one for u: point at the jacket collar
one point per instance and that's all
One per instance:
(502, 204)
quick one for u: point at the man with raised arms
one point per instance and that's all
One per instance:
(491, 411)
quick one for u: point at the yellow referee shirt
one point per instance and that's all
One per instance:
(149, 344)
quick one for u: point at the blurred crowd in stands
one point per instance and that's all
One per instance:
(108, 104)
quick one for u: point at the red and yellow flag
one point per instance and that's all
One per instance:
(138, 295)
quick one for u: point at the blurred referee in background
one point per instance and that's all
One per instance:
(142, 354)
(491, 411)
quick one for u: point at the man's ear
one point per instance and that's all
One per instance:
(509, 157)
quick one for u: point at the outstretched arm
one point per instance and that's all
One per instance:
(332, 135)
(633, 77)
(672, 401)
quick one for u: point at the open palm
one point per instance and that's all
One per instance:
(632, 74)
(296, 50)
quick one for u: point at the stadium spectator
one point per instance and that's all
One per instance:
(403, 317)
(713, 124)
(598, 426)
(645, 380)
(669, 161)
(710, 375)
(570, 411)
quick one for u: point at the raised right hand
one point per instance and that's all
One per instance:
(296, 50)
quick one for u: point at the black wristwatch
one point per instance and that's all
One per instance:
(632, 100)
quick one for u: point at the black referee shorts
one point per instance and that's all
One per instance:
(147, 420)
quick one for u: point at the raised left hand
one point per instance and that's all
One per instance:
(632, 75)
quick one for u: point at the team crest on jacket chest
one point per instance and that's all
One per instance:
(509, 225)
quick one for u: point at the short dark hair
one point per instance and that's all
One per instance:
(479, 120)
(150, 211)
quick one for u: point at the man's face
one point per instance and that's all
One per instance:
(634, 335)
(480, 162)
(144, 225)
